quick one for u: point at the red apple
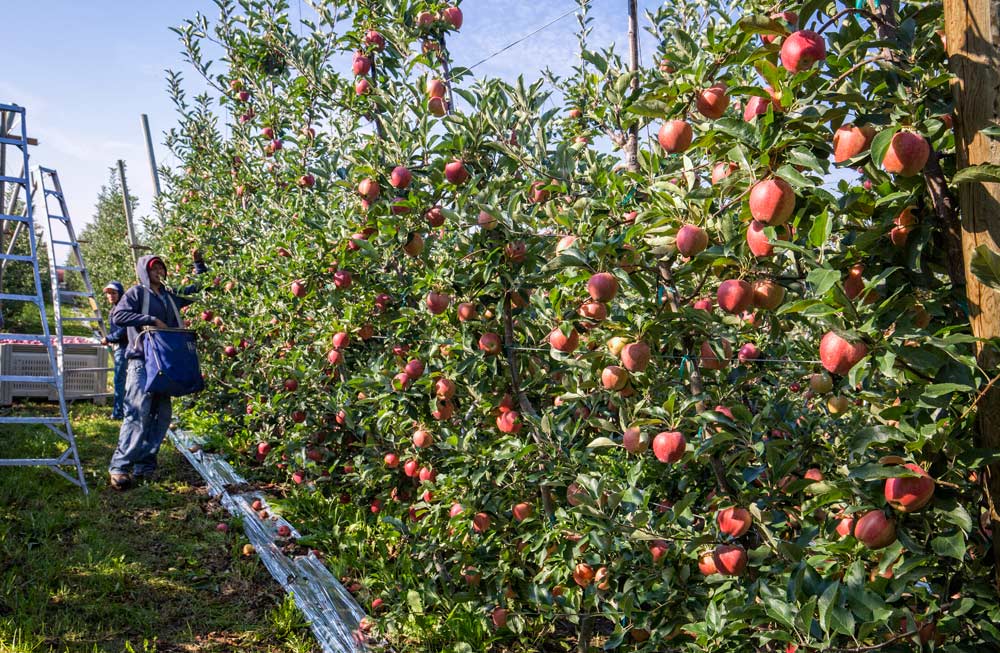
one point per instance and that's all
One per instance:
(675, 136)
(845, 526)
(562, 342)
(362, 87)
(614, 377)
(375, 40)
(772, 201)
(729, 559)
(414, 368)
(361, 65)
(839, 355)
(284, 531)
(734, 521)
(437, 303)
(486, 221)
(713, 101)
(342, 279)
(735, 296)
(400, 177)
(453, 16)
(602, 287)
(522, 511)
(263, 448)
(850, 140)
(706, 564)
(874, 530)
(481, 522)
(434, 216)
(438, 106)
(721, 170)
(669, 446)
(635, 356)
(749, 352)
(490, 343)
(691, 240)
(509, 422)
(907, 154)
(368, 189)
(455, 172)
(592, 310)
(391, 460)
(299, 288)
(467, 311)
(758, 242)
(436, 88)
(909, 494)
(768, 294)
(422, 439)
(800, 50)
(425, 19)
(658, 549)
(634, 440)
(710, 361)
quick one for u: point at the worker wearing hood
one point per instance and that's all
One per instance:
(147, 414)
(117, 339)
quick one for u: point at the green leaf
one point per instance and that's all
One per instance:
(983, 172)
(601, 442)
(952, 546)
(992, 130)
(794, 177)
(822, 280)
(880, 144)
(649, 108)
(821, 229)
(985, 264)
(941, 389)
(826, 603)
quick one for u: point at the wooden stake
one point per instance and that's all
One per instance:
(973, 43)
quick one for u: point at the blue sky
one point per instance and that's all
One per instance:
(86, 71)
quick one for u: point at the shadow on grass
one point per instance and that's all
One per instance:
(142, 570)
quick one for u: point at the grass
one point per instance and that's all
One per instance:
(139, 571)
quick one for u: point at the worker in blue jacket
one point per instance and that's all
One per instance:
(147, 415)
(117, 339)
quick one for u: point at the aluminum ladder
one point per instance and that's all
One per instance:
(12, 117)
(59, 231)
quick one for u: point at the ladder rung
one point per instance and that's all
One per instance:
(52, 191)
(88, 369)
(79, 319)
(67, 268)
(35, 462)
(60, 218)
(12, 108)
(18, 298)
(16, 257)
(73, 293)
(12, 141)
(14, 180)
(64, 242)
(14, 218)
(32, 420)
(10, 378)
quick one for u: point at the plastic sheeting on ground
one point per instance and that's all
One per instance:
(331, 611)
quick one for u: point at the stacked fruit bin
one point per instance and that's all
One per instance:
(85, 363)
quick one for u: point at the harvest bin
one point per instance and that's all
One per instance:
(26, 359)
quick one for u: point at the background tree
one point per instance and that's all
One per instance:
(105, 246)
(17, 277)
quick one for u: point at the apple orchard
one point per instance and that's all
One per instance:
(525, 392)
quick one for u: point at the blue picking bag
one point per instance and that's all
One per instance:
(171, 362)
(172, 366)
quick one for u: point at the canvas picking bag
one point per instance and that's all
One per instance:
(172, 366)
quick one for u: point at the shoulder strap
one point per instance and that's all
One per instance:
(170, 300)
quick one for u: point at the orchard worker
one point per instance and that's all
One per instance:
(147, 415)
(117, 339)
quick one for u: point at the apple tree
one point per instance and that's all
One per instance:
(520, 393)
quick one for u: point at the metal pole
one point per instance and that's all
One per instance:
(632, 142)
(133, 243)
(152, 162)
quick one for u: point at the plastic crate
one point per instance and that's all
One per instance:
(23, 359)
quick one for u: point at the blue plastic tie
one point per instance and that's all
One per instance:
(684, 362)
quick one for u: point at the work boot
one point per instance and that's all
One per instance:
(121, 482)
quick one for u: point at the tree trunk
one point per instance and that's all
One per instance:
(632, 143)
(972, 29)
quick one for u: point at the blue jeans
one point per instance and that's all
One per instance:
(147, 417)
(121, 364)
